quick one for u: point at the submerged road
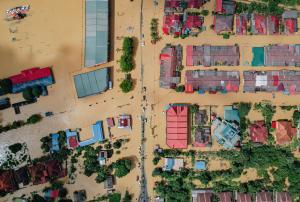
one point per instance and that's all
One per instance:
(143, 182)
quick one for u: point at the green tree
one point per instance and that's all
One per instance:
(180, 88)
(296, 117)
(194, 108)
(15, 147)
(34, 118)
(127, 197)
(27, 94)
(117, 144)
(205, 12)
(6, 85)
(115, 197)
(126, 63)
(244, 108)
(126, 85)
(128, 46)
(36, 91)
(122, 167)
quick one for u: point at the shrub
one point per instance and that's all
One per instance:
(27, 94)
(194, 108)
(226, 36)
(128, 46)
(126, 85)
(127, 197)
(156, 160)
(126, 63)
(15, 147)
(205, 12)
(122, 167)
(34, 118)
(36, 91)
(115, 197)
(6, 85)
(107, 145)
(117, 144)
(180, 88)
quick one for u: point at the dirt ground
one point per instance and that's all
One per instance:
(53, 35)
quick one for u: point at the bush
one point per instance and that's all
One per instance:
(107, 145)
(126, 63)
(6, 85)
(122, 167)
(205, 12)
(126, 85)
(115, 197)
(226, 36)
(180, 88)
(36, 91)
(34, 119)
(15, 147)
(156, 160)
(117, 144)
(128, 46)
(27, 94)
(194, 108)
(127, 197)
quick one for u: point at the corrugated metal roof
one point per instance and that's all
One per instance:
(92, 82)
(96, 32)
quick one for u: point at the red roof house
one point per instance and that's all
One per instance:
(241, 24)
(273, 24)
(31, 75)
(38, 173)
(290, 19)
(193, 21)
(259, 132)
(172, 5)
(177, 126)
(284, 132)
(7, 183)
(195, 3)
(172, 24)
(243, 197)
(55, 169)
(264, 197)
(283, 197)
(223, 23)
(225, 6)
(259, 24)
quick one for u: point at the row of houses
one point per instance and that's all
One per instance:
(213, 81)
(39, 173)
(179, 20)
(252, 22)
(226, 131)
(207, 196)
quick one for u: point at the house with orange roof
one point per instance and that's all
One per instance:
(258, 132)
(284, 132)
(177, 126)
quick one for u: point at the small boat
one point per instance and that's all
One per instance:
(18, 12)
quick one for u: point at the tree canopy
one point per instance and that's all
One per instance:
(122, 167)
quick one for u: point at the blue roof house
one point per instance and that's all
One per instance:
(227, 134)
(231, 114)
(200, 165)
(98, 135)
(55, 142)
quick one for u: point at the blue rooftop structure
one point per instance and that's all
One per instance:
(170, 164)
(96, 32)
(231, 114)
(98, 135)
(55, 143)
(92, 83)
(200, 165)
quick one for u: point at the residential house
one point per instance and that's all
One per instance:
(264, 197)
(55, 169)
(7, 182)
(243, 197)
(202, 195)
(202, 137)
(225, 7)
(223, 23)
(283, 197)
(192, 24)
(170, 62)
(290, 20)
(258, 24)
(258, 132)
(38, 173)
(231, 114)
(173, 164)
(227, 134)
(22, 177)
(102, 157)
(212, 81)
(225, 196)
(200, 165)
(109, 183)
(177, 126)
(173, 6)
(284, 132)
(241, 21)
(273, 23)
(72, 139)
(195, 3)
(172, 24)
(285, 81)
(54, 142)
(282, 55)
(124, 121)
(208, 55)
(200, 118)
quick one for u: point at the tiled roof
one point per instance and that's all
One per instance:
(259, 132)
